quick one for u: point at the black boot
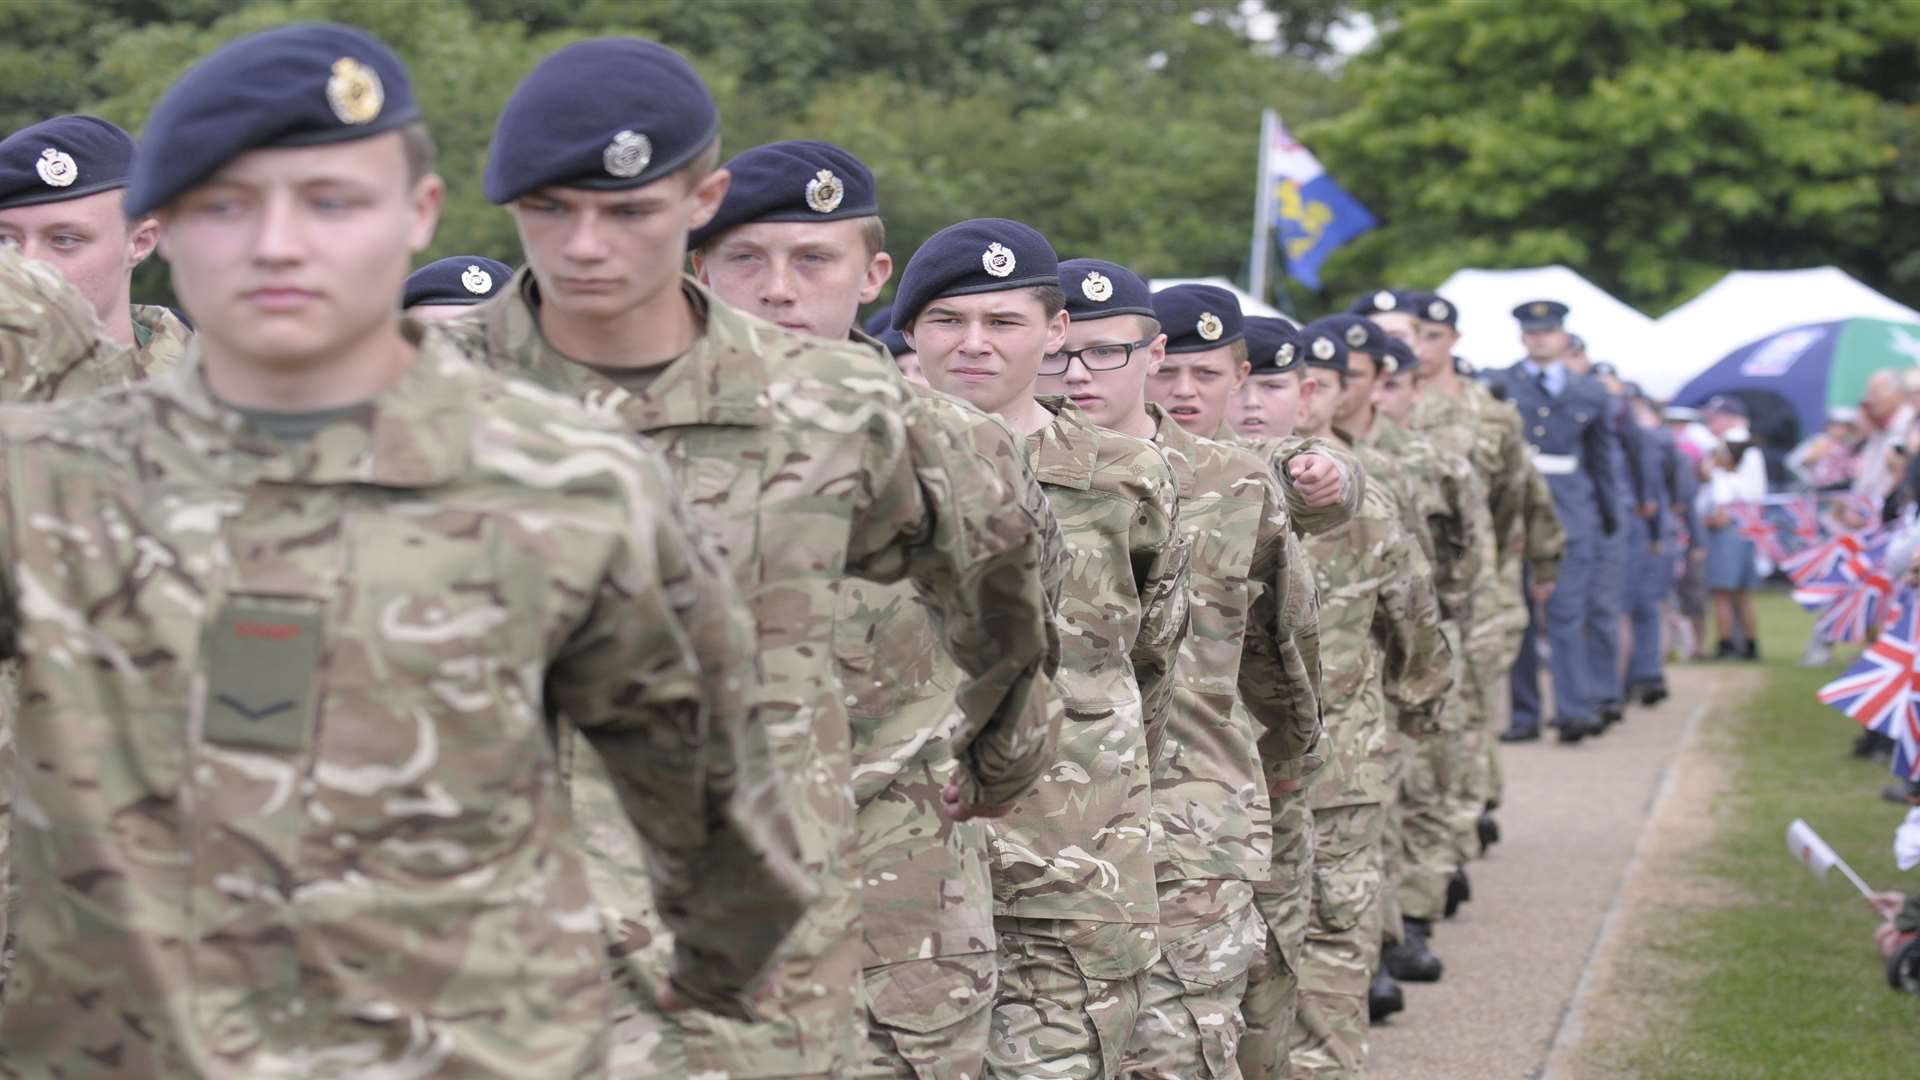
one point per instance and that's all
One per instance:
(1611, 713)
(1411, 960)
(1531, 734)
(1653, 694)
(1752, 651)
(1489, 829)
(1572, 731)
(1384, 997)
(1459, 890)
(1869, 743)
(1726, 651)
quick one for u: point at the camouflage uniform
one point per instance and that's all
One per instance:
(1073, 873)
(1379, 630)
(1237, 727)
(797, 457)
(1486, 431)
(1439, 804)
(290, 803)
(159, 339)
(70, 357)
(926, 896)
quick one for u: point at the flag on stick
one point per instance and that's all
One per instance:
(1301, 204)
(1817, 856)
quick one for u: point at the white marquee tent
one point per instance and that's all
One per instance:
(1490, 338)
(1748, 305)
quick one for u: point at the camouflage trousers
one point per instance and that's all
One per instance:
(1432, 798)
(1493, 644)
(929, 1019)
(1070, 992)
(1190, 1023)
(1284, 902)
(1342, 947)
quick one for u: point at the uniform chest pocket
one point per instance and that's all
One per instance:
(723, 500)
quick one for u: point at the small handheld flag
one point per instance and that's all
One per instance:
(1817, 856)
(1879, 689)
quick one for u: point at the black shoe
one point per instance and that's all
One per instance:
(1531, 734)
(1726, 651)
(1752, 651)
(1654, 694)
(1611, 713)
(1459, 890)
(1489, 830)
(1868, 744)
(1411, 960)
(1384, 997)
(1572, 731)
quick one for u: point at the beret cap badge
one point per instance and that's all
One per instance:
(476, 281)
(1539, 309)
(1437, 311)
(1209, 327)
(1384, 300)
(56, 167)
(824, 192)
(1283, 355)
(998, 260)
(1097, 287)
(354, 92)
(1324, 348)
(627, 155)
(1356, 336)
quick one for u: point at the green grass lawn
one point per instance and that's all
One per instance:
(1775, 974)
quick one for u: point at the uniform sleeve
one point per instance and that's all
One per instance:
(1471, 537)
(1598, 447)
(655, 679)
(1509, 478)
(1275, 684)
(1546, 537)
(1311, 520)
(47, 330)
(1160, 558)
(1416, 661)
(945, 516)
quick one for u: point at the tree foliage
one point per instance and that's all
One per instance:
(1651, 144)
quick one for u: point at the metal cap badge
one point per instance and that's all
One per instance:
(627, 155)
(824, 192)
(997, 259)
(1283, 355)
(1356, 336)
(56, 168)
(354, 92)
(1437, 311)
(1097, 287)
(1209, 327)
(1324, 348)
(476, 281)
(1384, 300)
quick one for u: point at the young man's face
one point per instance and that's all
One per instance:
(986, 347)
(1399, 325)
(910, 370)
(1115, 395)
(1434, 345)
(1270, 406)
(1197, 388)
(1544, 345)
(1394, 397)
(1321, 404)
(599, 254)
(809, 277)
(87, 240)
(293, 255)
(1363, 374)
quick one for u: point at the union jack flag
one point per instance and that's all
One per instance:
(1879, 689)
(1751, 519)
(1803, 521)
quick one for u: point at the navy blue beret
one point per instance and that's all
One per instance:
(64, 158)
(300, 85)
(1541, 314)
(792, 181)
(1400, 355)
(456, 279)
(1325, 347)
(1197, 318)
(1357, 332)
(606, 115)
(1385, 300)
(1273, 345)
(978, 256)
(1097, 289)
(1433, 307)
(879, 326)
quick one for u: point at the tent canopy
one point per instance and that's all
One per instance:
(1747, 305)
(1491, 339)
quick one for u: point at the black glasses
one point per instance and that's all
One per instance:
(1094, 357)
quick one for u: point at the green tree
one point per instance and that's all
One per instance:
(1650, 144)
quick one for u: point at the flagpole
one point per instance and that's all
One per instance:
(1262, 211)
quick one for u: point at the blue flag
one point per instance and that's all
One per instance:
(1310, 215)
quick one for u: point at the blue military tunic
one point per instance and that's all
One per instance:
(1564, 417)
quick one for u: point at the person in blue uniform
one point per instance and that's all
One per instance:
(1564, 416)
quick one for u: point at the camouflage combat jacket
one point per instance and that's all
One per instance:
(159, 339)
(797, 459)
(1237, 725)
(1076, 846)
(289, 802)
(926, 891)
(58, 349)
(1487, 431)
(1378, 621)
(1453, 513)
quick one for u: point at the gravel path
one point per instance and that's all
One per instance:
(1526, 959)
